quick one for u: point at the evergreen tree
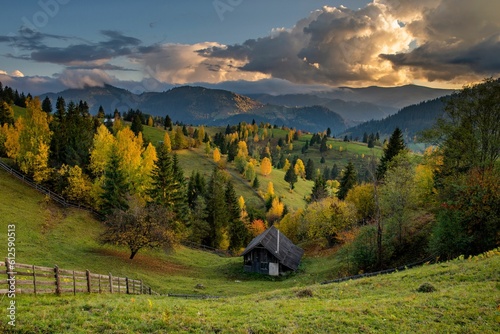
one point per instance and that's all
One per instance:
(236, 228)
(196, 188)
(334, 172)
(323, 146)
(137, 126)
(6, 113)
(166, 189)
(365, 137)
(47, 105)
(348, 180)
(256, 183)
(115, 188)
(291, 177)
(168, 123)
(217, 215)
(328, 132)
(394, 147)
(319, 190)
(326, 173)
(310, 170)
(100, 113)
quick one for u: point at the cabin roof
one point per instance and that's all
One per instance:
(288, 253)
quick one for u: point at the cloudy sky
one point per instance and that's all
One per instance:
(273, 46)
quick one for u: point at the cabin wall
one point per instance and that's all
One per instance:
(258, 260)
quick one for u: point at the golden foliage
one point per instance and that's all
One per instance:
(266, 166)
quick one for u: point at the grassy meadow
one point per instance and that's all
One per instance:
(466, 300)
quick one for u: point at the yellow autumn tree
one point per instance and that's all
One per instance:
(265, 166)
(150, 121)
(276, 211)
(216, 155)
(28, 141)
(300, 169)
(287, 165)
(270, 191)
(79, 185)
(101, 150)
(129, 148)
(149, 159)
(167, 142)
(242, 149)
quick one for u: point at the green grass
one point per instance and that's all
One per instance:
(466, 301)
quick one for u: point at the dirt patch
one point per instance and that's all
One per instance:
(144, 262)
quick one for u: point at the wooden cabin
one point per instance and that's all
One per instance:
(271, 253)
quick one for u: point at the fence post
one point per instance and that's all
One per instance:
(99, 280)
(126, 286)
(58, 280)
(110, 283)
(34, 279)
(118, 285)
(87, 273)
(9, 273)
(74, 284)
(140, 291)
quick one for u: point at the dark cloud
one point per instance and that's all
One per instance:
(34, 45)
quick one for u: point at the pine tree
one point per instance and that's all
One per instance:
(168, 123)
(310, 170)
(137, 126)
(47, 105)
(165, 189)
(115, 188)
(100, 113)
(291, 177)
(347, 181)
(323, 147)
(236, 228)
(319, 190)
(217, 215)
(394, 147)
(256, 183)
(335, 172)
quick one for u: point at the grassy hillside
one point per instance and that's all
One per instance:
(466, 299)
(47, 234)
(340, 154)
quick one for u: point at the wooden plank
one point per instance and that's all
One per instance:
(45, 283)
(44, 275)
(73, 291)
(19, 282)
(70, 272)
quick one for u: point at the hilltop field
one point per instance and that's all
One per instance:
(465, 301)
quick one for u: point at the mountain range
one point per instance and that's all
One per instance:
(338, 109)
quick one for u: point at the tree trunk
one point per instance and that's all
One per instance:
(132, 254)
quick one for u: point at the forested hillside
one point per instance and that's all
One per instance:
(374, 208)
(411, 120)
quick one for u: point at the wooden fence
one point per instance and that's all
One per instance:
(25, 278)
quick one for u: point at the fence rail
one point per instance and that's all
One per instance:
(382, 272)
(52, 195)
(27, 278)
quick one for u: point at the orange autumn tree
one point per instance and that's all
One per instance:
(266, 166)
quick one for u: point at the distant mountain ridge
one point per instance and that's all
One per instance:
(309, 112)
(199, 105)
(411, 120)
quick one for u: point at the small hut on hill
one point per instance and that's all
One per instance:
(271, 253)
